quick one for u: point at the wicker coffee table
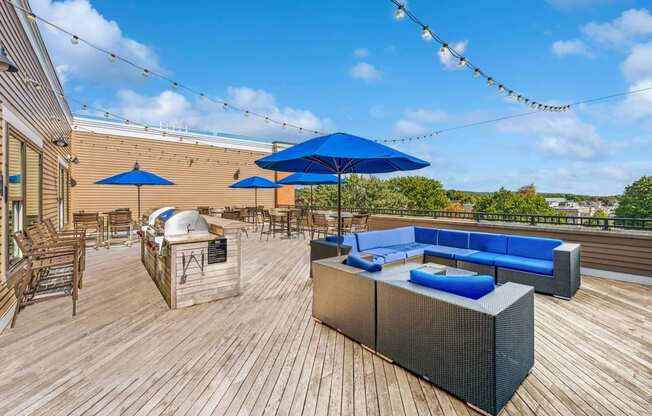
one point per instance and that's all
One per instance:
(440, 269)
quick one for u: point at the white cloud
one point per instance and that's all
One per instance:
(366, 72)
(570, 47)
(449, 60)
(420, 121)
(560, 136)
(361, 53)
(631, 25)
(172, 108)
(637, 106)
(638, 65)
(81, 61)
(378, 111)
(567, 5)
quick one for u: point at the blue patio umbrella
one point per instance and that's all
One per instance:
(301, 178)
(339, 154)
(137, 178)
(255, 182)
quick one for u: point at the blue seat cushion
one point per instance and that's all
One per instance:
(347, 240)
(473, 287)
(525, 264)
(532, 247)
(481, 257)
(412, 249)
(360, 263)
(385, 238)
(450, 238)
(386, 255)
(448, 252)
(493, 243)
(425, 235)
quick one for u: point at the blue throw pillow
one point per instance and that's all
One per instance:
(360, 263)
(473, 287)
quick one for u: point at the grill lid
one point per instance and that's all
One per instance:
(184, 223)
(163, 212)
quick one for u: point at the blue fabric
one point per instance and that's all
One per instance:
(14, 178)
(135, 177)
(472, 287)
(450, 238)
(347, 240)
(412, 249)
(387, 254)
(385, 238)
(494, 243)
(425, 235)
(481, 257)
(254, 182)
(526, 264)
(360, 263)
(340, 153)
(532, 247)
(309, 179)
(448, 252)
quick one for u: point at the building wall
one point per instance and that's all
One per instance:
(201, 173)
(41, 114)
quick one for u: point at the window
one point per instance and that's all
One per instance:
(24, 190)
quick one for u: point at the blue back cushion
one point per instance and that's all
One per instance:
(347, 240)
(450, 238)
(492, 243)
(532, 247)
(473, 287)
(425, 235)
(385, 238)
(360, 263)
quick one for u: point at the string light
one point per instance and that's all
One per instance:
(74, 39)
(425, 34)
(525, 101)
(400, 13)
(501, 88)
(112, 56)
(428, 35)
(145, 72)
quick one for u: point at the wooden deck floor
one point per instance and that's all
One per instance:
(262, 354)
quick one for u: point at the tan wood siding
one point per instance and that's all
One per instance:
(40, 110)
(201, 173)
(604, 250)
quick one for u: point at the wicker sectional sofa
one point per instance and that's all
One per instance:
(550, 266)
(478, 350)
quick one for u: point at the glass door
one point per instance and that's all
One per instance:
(62, 196)
(15, 194)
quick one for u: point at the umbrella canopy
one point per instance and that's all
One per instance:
(340, 153)
(301, 178)
(137, 178)
(255, 182)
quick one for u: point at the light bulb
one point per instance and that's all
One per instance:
(31, 17)
(461, 62)
(106, 114)
(175, 85)
(490, 81)
(476, 72)
(113, 57)
(526, 101)
(400, 13)
(510, 94)
(444, 49)
(501, 88)
(145, 72)
(225, 106)
(74, 39)
(519, 98)
(246, 113)
(425, 34)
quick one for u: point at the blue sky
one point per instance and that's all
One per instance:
(349, 66)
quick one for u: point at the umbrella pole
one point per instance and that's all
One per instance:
(339, 213)
(256, 198)
(138, 218)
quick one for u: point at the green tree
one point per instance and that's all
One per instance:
(505, 201)
(421, 193)
(636, 201)
(600, 213)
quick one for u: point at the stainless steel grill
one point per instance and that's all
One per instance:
(185, 223)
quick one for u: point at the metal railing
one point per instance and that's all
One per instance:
(531, 219)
